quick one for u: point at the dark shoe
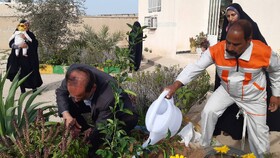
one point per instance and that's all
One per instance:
(22, 89)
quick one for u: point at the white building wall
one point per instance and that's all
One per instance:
(192, 18)
(178, 20)
(266, 15)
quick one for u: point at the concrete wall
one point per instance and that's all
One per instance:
(9, 21)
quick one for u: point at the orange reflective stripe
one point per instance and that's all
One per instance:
(247, 78)
(224, 75)
(218, 55)
(258, 86)
(259, 58)
(255, 114)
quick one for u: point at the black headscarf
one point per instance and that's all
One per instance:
(242, 15)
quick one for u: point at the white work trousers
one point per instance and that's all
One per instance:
(258, 131)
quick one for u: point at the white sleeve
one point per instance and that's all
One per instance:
(26, 35)
(191, 71)
(274, 73)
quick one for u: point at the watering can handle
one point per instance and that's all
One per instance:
(163, 94)
(160, 98)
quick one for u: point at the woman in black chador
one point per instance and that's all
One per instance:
(228, 121)
(136, 44)
(26, 64)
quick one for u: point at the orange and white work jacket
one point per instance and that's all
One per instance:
(244, 77)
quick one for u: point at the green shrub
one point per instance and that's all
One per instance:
(43, 139)
(11, 109)
(149, 85)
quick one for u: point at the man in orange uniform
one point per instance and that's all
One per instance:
(241, 64)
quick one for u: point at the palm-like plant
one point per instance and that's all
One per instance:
(11, 109)
(94, 47)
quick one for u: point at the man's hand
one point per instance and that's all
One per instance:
(74, 130)
(87, 132)
(274, 103)
(22, 36)
(172, 88)
(69, 120)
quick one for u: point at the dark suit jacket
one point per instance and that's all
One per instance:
(102, 99)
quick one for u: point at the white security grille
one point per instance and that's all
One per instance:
(154, 6)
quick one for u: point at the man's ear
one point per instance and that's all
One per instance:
(94, 87)
(249, 39)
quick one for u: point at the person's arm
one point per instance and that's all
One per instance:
(173, 88)
(34, 43)
(14, 46)
(26, 38)
(104, 110)
(190, 72)
(62, 96)
(274, 76)
(12, 37)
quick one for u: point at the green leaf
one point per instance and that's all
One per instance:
(33, 96)
(127, 111)
(130, 92)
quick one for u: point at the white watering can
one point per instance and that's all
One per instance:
(162, 116)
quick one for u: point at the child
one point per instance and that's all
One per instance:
(19, 35)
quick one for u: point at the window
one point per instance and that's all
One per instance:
(151, 22)
(8, 1)
(216, 15)
(154, 6)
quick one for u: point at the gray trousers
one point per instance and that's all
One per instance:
(255, 111)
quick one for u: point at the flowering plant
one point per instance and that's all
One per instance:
(250, 155)
(178, 156)
(225, 150)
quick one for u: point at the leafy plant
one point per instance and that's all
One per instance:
(93, 47)
(12, 110)
(52, 20)
(196, 42)
(122, 61)
(192, 42)
(194, 92)
(43, 139)
(149, 85)
(116, 142)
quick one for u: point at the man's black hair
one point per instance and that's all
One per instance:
(245, 26)
(90, 75)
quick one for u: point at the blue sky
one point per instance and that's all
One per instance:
(96, 7)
